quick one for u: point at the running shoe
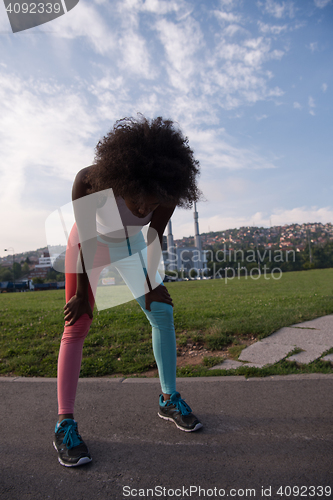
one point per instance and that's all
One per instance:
(179, 412)
(72, 450)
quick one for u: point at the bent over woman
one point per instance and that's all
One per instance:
(143, 169)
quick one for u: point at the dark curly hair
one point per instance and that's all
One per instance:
(141, 157)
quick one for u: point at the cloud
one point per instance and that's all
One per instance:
(39, 118)
(311, 105)
(135, 55)
(228, 4)
(112, 30)
(233, 29)
(228, 17)
(112, 96)
(321, 3)
(313, 47)
(162, 7)
(324, 87)
(85, 21)
(23, 228)
(231, 188)
(222, 221)
(297, 105)
(4, 21)
(42, 147)
(235, 72)
(253, 52)
(215, 152)
(231, 74)
(269, 29)
(278, 10)
(180, 8)
(181, 43)
(301, 215)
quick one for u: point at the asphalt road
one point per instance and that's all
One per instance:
(261, 437)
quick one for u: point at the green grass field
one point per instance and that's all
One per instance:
(212, 312)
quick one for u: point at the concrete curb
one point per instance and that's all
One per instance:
(180, 380)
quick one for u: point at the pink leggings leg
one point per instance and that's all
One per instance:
(70, 353)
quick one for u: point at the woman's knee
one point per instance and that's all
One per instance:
(162, 312)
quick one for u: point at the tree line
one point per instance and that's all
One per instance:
(20, 270)
(317, 257)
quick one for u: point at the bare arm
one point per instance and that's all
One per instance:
(158, 224)
(84, 206)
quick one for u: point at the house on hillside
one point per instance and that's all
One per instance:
(42, 268)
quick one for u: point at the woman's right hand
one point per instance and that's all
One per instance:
(75, 308)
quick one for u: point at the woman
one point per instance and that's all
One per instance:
(143, 169)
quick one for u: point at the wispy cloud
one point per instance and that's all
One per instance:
(39, 130)
(227, 16)
(230, 73)
(228, 4)
(271, 29)
(301, 215)
(278, 9)
(134, 55)
(324, 87)
(181, 42)
(321, 3)
(216, 152)
(313, 46)
(311, 105)
(297, 105)
(253, 52)
(86, 22)
(236, 72)
(232, 187)
(162, 7)
(47, 134)
(222, 220)
(234, 29)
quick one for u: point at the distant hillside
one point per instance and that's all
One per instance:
(293, 235)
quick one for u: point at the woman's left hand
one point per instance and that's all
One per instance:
(158, 294)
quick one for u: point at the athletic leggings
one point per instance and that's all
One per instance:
(160, 317)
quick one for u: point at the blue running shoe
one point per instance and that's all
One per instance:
(72, 451)
(179, 412)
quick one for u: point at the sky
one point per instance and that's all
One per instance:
(248, 82)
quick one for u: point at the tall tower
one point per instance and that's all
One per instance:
(171, 249)
(197, 240)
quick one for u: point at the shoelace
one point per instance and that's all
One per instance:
(182, 406)
(71, 438)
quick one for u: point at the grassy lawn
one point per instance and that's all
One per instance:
(212, 312)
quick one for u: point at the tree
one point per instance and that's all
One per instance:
(5, 274)
(37, 281)
(25, 268)
(51, 275)
(17, 270)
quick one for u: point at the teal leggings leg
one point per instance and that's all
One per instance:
(161, 314)
(164, 342)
